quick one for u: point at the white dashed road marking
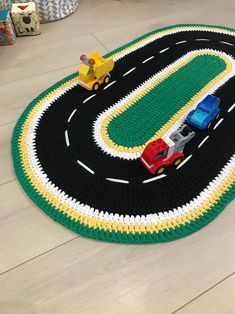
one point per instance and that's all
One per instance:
(218, 123)
(184, 161)
(85, 167)
(226, 43)
(163, 50)
(70, 117)
(231, 108)
(148, 59)
(107, 86)
(89, 98)
(181, 42)
(117, 180)
(129, 71)
(154, 178)
(203, 141)
(66, 138)
(202, 39)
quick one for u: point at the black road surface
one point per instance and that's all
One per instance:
(179, 186)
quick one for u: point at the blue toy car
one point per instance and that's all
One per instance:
(206, 111)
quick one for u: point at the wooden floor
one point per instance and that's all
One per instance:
(45, 268)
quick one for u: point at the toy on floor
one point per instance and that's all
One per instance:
(94, 71)
(7, 32)
(206, 111)
(25, 18)
(164, 152)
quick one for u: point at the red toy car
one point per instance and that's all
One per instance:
(162, 153)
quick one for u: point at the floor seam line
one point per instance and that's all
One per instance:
(36, 75)
(107, 50)
(39, 255)
(204, 292)
(1, 184)
(7, 123)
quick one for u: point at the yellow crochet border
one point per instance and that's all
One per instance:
(95, 222)
(117, 111)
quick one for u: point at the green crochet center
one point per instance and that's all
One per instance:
(138, 123)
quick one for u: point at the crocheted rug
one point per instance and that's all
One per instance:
(76, 153)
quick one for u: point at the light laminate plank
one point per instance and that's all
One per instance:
(186, 12)
(6, 169)
(25, 90)
(218, 300)
(26, 231)
(18, 64)
(98, 277)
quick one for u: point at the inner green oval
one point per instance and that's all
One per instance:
(138, 123)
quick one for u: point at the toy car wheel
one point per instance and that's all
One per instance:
(160, 170)
(106, 79)
(209, 125)
(177, 161)
(95, 86)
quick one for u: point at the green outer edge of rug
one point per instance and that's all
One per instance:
(101, 234)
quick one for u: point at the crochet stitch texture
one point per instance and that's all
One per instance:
(76, 156)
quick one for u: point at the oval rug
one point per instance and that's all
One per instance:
(76, 152)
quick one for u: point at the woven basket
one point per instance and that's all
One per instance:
(5, 4)
(53, 10)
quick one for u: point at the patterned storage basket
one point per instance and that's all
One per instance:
(52, 10)
(5, 4)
